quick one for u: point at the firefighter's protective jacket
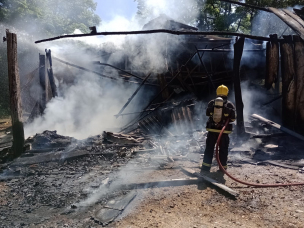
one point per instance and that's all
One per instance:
(228, 113)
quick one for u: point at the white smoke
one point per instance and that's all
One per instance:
(87, 105)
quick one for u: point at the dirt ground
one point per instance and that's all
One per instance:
(204, 206)
(43, 197)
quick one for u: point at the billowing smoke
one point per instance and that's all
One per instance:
(87, 106)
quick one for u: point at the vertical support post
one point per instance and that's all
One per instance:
(272, 61)
(15, 96)
(42, 74)
(50, 73)
(238, 52)
(288, 82)
(299, 68)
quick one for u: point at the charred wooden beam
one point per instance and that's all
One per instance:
(99, 74)
(211, 181)
(133, 95)
(15, 96)
(288, 82)
(299, 70)
(50, 73)
(278, 126)
(229, 50)
(173, 32)
(109, 65)
(238, 52)
(272, 61)
(42, 78)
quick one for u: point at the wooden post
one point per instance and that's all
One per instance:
(288, 82)
(42, 74)
(272, 61)
(15, 96)
(50, 73)
(299, 68)
(238, 52)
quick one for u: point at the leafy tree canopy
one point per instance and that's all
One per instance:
(51, 17)
(216, 15)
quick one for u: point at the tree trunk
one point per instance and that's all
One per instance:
(238, 52)
(299, 68)
(288, 83)
(15, 96)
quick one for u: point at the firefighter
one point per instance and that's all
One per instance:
(218, 110)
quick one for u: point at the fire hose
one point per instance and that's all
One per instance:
(240, 181)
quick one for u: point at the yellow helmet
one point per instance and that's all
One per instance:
(222, 91)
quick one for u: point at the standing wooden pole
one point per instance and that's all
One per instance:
(42, 74)
(15, 96)
(288, 83)
(272, 61)
(238, 52)
(50, 73)
(299, 68)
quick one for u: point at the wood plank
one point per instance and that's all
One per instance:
(278, 126)
(294, 16)
(238, 52)
(211, 181)
(15, 95)
(174, 32)
(288, 82)
(42, 77)
(50, 73)
(278, 164)
(296, 26)
(163, 183)
(299, 70)
(272, 62)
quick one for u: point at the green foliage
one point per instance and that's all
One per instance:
(51, 17)
(223, 16)
(216, 15)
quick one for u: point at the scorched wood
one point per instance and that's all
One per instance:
(15, 97)
(272, 61)
(299, 68)
(238, 52)
(288, 82)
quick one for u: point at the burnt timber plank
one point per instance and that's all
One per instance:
(288, 82)
(299, 70)
(272, 61)
(174, 32)
(15, 96)
(278, 126)
(211, 181)
(238, 52)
